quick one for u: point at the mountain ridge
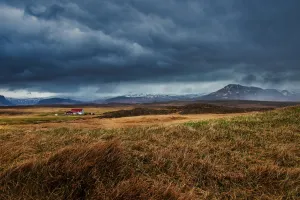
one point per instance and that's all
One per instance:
(24, 101)
(131, 99)
(4, 101)
(229, 92)
(240, 92)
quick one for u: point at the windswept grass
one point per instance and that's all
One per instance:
(247, 157)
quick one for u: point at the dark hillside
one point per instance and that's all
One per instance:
(4, 101)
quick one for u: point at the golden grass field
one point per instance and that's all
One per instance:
(40, 117)
(199, 156)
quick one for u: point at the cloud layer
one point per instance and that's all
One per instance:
(62, 46)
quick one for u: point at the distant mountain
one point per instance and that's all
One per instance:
(229, 92)
(133, 99)
(239, 92)
(24, 102)
(125, 99)
(4, 101)
(57, 101)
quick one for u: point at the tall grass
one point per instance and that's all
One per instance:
(249, 157)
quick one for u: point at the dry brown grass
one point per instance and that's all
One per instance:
(95, 171)
(244, 157)
(126, 122)
(47, 110)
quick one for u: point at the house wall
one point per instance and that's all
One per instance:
(79, 113)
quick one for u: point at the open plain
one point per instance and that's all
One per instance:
(194, 151)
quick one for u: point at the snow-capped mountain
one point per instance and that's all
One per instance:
(24, 102)
(229, 92)
(150, 98)
(239, 92)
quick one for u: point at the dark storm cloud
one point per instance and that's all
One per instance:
(48, 13)
(63, 45)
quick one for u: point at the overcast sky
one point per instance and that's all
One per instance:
(110, 47)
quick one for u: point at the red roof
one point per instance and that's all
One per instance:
(77, 110)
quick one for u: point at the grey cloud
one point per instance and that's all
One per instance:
(64, 45)
(250, 78)
(51, 12)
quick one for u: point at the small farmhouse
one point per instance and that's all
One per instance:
(77, 111)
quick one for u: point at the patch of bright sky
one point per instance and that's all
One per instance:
(26, 94)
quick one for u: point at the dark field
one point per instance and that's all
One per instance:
(195, 108)
(137, 112)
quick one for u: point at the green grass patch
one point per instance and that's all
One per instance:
(198, 124)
